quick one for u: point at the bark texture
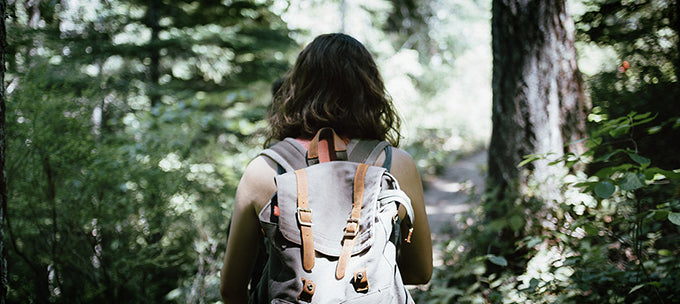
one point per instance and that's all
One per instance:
(539, 105)
(3, 148)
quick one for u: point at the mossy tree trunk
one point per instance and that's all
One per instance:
(539, 107)
(3, 145)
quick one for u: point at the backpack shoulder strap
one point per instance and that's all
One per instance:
(367, 151)
(288, 154)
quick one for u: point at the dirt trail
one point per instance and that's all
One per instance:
(453, 191)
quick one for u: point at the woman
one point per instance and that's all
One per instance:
(334, 83)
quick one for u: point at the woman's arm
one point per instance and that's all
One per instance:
(253, 192)
(415, 258)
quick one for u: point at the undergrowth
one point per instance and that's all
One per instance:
(613, 238)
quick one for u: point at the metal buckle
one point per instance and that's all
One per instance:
(352, 234)
(302, 223)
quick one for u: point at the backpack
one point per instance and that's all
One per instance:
(332, 228)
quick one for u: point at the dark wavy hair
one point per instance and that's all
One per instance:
(334, 83)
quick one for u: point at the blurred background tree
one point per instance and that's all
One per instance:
(3, 149)
(130, 122)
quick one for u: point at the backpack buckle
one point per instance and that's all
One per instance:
(352, 228)
(299, 219)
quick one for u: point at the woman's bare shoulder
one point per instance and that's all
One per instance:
(403, 163)
(257, 183)
(401, 155)
(260, 168)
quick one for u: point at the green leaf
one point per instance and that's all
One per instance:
(498, 260)
(651, 172)
(570, 163)
(533, 242)
(593, 142)
(555, 162)
(608, 171)
(660, 215)
(590, 229)
(516, 222)
(654, 130)
(636, 288)
(642, 116)
(587, 185)
(578, 141)
(497, 225)
(529, 158)
(643, 161)
(674, 217)
(604, 189)
(533, 283)
(665, 252)
(631, 181)
(644, 121)
(619, 130)
(606, 157)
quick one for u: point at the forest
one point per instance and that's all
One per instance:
(126, 126)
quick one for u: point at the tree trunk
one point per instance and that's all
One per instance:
(676, 27)
(3, 148)
(539, 106)
(154, 68)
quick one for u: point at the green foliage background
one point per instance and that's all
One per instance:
(614, 236)
(130, 122)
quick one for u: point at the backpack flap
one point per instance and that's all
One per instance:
(330, 201)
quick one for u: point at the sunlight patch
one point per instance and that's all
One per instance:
(170, 162)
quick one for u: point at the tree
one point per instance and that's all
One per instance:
(130, 122)
(539, 106)
(3, 177)
(643, 76)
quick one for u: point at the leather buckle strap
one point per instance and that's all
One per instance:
(308, 216)
(352, 228)
(304, 217)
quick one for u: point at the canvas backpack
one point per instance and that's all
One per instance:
(332, 228)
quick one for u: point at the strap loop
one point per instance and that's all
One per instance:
(326, 146)
(360, 281)
(307, 291)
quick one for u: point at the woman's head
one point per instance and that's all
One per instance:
(334, 83)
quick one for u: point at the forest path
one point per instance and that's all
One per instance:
(454, 191)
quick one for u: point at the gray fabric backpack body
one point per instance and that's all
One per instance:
(332, 229)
